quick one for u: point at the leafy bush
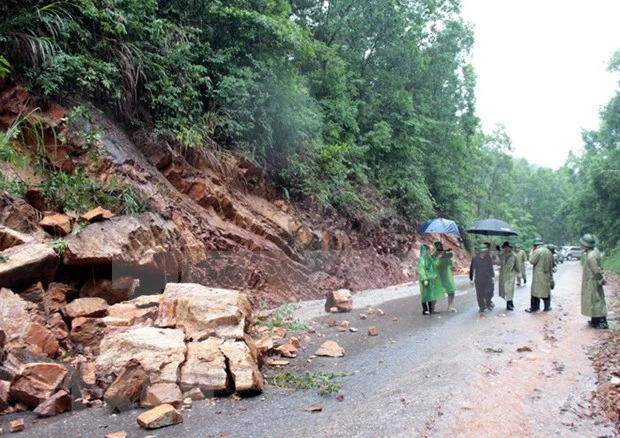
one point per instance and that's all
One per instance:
(283, 317)
(611, 261)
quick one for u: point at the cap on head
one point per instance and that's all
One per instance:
(483, 248)
(588, 240)
(507, 245)
(438, 245)
(538, 241)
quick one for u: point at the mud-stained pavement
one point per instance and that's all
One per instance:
(452, 374)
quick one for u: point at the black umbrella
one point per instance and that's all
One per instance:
(492, 227)
(440, 226)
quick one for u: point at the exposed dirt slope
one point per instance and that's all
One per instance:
(235, 230)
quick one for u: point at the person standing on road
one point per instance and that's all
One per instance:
(444, 269)
(542, 263)
(430, 285)
(592, 281)
(521, 259)
(481, 274)
(507, 273)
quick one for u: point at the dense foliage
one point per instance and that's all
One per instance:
(366, 106)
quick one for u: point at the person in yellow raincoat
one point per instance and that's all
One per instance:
(592, 294)
(521, 260)
(430, 285)
(445, 261)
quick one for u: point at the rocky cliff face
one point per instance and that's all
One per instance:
(210, 217)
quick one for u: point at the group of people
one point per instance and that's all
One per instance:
(436, 278)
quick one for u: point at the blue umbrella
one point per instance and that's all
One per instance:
(440, 226)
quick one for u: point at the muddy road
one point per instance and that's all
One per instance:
(452, 374)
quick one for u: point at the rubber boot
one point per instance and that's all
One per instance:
(547, 302)
(510, 305)
(534, 305)
(432, 307)
(451, 303)
(425, 310)
(602, 323)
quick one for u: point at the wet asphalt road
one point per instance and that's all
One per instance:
(397, 383)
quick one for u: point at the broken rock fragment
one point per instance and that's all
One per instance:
(161, 416)
(86, 307)
(28, 264)
(16, 425)
(127, 387)
(37, 382)
(340, 299)
(163, 393)
(242, 363)
(330, 349)
(205, 367)
(160, 351)
(372, 331)
(56, 404)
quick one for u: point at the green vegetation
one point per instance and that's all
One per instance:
(323, 382)
(283, 317)
(59, 246)
(611, 261)
(366, 108)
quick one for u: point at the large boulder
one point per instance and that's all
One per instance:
(145, 240)
(160, 351)
(340, 299)
(86, 307)
(23, 265)
(242, 364)
(142, 310)
(203, 311)
(205, 368)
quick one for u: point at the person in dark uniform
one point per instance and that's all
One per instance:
(481, 275)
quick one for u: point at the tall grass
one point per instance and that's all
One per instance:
(611, 261)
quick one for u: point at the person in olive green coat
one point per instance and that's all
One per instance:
(592, 294)
(542, 263)
(445, 261)
(509, 267)
(430, 285)
(521, 259)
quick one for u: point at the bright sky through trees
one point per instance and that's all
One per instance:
(542, 70)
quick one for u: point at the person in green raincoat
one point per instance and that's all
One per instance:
(521, 259)
(592, 294)
(509, 267)
(430, 284)
(542, 271)
(445, 261)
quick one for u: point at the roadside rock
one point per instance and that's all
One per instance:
(86, 307)
(205, 367)
(27, 264)
(42, 339)
(127, 387)
(161, 416)
(242, 363)
(56, 404)
(203, 311)
(372, 331)
(163, 393)
(88, 332)
(4, 394)
(160, 351)
(14, 317)
(37, 382)
(330, 349)
(16, 425)
(341, 299)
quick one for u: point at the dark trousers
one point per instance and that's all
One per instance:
(484, 294)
